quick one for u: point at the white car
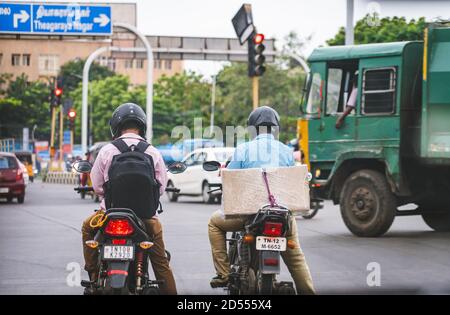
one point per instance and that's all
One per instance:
(194, 181)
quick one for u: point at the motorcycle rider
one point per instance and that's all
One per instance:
(263, 151)
(128, 122)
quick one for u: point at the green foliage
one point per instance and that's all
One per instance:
(177, 100)
(72, 72)
(104, 96)
(385, 30)
(279, 88)
(24, 104)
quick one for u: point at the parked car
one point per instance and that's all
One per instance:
(195, 181)
(12, 184)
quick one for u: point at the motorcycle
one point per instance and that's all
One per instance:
(123, 246)
(255, 251)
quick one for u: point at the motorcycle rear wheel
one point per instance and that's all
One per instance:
(151, 291)
(265, 283)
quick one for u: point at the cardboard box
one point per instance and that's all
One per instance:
(244, 191)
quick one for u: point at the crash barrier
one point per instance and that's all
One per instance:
(61, 178)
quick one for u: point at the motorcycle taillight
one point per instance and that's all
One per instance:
(273, 228)
(119, 227)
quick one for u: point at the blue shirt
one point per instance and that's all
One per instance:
(263, 151)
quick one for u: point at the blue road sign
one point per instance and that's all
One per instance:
(66, 137)
(61, 19)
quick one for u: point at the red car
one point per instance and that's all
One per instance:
(12, 184)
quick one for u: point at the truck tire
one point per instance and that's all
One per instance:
(440, 222)
(367, 204)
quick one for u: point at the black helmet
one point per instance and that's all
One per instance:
(264, 116)
(125, 113)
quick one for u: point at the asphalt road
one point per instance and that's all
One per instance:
(41, 248)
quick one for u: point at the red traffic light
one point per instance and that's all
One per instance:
(72, 114)
(258, 39)
(58, 91)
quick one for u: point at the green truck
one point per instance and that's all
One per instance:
(394, 147)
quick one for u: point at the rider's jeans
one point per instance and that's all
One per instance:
(293, 258)
(160, 263)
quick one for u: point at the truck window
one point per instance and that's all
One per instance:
(334, 85)
(314, 97)
(378, 95)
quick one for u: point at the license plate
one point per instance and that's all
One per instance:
(4, 190)
(118, 252)
(271, 243)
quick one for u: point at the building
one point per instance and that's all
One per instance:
(41, 57)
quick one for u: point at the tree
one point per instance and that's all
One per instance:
(72, 72)
(279, 88)
(176, 101)
(24, 104)
(372, 30)
(104, 96)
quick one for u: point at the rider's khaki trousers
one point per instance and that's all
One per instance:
(293, 258)
(158, 258)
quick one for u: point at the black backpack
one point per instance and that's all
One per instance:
(132, 180)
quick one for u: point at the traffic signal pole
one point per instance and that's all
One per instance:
(255, 88)
(61, 135)
(52, 134)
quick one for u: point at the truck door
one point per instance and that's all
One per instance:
(325, 139)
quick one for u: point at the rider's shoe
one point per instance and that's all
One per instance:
(219, 282)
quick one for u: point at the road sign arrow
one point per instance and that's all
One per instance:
(23, 16)
(102, 19)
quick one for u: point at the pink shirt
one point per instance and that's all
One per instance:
(99, 173)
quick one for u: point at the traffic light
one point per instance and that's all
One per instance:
(256, 57)
(72, 114)
(57, 93)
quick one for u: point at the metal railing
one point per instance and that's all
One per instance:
(7, 145)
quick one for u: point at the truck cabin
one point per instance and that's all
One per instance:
(387, 80)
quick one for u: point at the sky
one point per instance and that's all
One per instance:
(274, 18)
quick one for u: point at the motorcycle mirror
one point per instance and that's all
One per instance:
(177, 167)
(82, 166)
(211, 166)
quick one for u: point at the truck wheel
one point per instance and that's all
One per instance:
(440, 222)
(367, 204)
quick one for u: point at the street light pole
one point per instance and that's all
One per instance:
(149, 94)
(349, 32)
(213, 104)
